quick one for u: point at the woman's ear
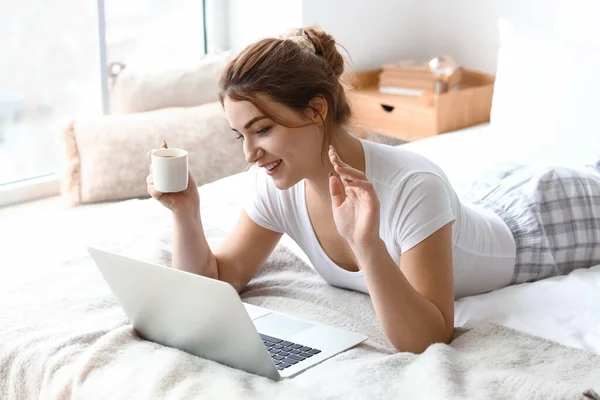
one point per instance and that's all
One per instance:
(317, 109)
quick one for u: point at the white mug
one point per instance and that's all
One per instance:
(170, 170)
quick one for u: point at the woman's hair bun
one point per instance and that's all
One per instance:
(325, 46)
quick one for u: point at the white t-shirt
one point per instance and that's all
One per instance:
(416, 199)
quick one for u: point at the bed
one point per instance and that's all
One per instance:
(63, 335)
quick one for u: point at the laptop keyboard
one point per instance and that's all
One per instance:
(285, 354)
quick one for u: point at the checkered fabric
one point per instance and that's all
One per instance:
(554, 214)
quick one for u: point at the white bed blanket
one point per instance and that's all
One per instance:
(63, 336)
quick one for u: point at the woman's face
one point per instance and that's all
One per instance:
(288, 155)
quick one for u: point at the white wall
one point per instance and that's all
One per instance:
(377, 31)
(578, 19)
(467, 29)
(373, 31)
(251, 20)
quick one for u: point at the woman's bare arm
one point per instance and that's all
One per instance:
(236, 261)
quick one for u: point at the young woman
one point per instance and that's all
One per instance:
(370, 217)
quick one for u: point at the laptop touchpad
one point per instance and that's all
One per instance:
(280, 326)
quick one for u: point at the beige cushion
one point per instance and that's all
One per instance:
(145, 88)
(106, 156)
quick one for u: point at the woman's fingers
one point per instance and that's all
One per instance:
(350, 177)
(364, 191)
(348, 172)
(336, 190)
(151, 189)
(342, 168)
(366, 185)
(154, 193)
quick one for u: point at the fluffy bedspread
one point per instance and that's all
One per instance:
(63, 335)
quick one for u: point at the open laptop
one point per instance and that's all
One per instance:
(207, 318)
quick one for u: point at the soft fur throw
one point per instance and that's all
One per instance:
(63, 336)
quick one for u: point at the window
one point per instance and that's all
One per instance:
(54, 66)
(154, 33)
(50, 69)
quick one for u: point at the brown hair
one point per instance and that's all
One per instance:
(292, 74)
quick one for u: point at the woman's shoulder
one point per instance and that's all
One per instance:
(393, 166)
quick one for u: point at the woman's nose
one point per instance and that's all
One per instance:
(252, 152)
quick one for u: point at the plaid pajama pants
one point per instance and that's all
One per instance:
(554, 215)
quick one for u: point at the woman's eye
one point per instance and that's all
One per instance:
(240, 137)
(263, 131)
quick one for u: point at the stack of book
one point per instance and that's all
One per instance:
(413, 78)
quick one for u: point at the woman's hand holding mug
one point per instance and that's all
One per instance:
(170, 182)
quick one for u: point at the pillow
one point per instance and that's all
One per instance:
(106, 157)
(137, 88)
(545, 95)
